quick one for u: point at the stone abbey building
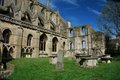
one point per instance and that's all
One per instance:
(29, 28)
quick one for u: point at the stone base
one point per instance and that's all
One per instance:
(88, 62)
(53, 59)
(43, 55)
(59, 66)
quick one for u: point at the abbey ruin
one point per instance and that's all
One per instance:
(31, 29)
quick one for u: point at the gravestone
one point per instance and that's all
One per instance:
(60, 57)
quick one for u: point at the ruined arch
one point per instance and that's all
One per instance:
(64, 45)
(71, 32)
(83, 44)
(54, 44)
(29, 39)
(71, 45)
(6, 35)
(42, 42)
(83, 30)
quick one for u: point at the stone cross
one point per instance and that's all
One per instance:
(60, 57)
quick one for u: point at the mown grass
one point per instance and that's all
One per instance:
(40, 69)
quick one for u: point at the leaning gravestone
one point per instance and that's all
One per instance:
(60, 57)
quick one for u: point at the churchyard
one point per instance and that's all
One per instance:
(42, 69)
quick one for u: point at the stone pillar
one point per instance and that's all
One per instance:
(36, 45)
(18, 42)
(49, 45)
(1, 51)
(60, 57)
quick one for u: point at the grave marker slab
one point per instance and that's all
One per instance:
(60, 57)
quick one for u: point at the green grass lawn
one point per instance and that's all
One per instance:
(40, 69)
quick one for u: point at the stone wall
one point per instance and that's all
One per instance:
(28, 17)
(84, 42)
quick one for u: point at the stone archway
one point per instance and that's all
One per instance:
(64, 45)
(6, 35)
(29, 39)
(54, 44)
(42, 42)
(71, 45)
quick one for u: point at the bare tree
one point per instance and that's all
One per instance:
(109, 19)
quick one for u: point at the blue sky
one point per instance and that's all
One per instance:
(78, 12)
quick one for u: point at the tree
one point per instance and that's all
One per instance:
(109, 19)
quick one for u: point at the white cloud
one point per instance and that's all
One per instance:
(73, 2)
(94, 11)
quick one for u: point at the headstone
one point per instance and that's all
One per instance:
(60, 57)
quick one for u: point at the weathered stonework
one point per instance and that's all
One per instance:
(33, 29)
(86, 42)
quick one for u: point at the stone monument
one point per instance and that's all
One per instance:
(60, 57)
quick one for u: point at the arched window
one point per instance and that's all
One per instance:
(42, 42)
(71, 45)
(54, 44)
(29, 39)
(83, 44)
(63, 45)
(83, 31)
(2, 2)
(71, 33)
(6, 35)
